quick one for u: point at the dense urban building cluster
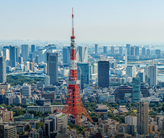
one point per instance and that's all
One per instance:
(107, 84)
(120, 88)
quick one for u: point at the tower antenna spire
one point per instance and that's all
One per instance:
(72, 23)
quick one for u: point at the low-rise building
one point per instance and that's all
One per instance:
(101, 108)
(45, 108)
(122, 109)
(6, 115)
(49, 95)
(5, 86)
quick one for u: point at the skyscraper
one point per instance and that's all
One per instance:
(141, 75)
(112, 50)
(82, 54)
(32, 48)
(158, 53)
(143, 51)
(30, 57)
(20, 60)
(52, 67)
(126, 57)
(136, 90)
(1, 53)
(105, 49)
(120, 50)
(2, 69)
(51, 48)
(38, 47)
(17, 54)
(6, 53)
(136, 51)
(25, 52)
(66, 55)
(152, 75)
(146, 71)
(131, 71)
(128, 49)
(12, 56)
(148, 52)
(103, 74)
(93, 71)
(132, 50)
(27, 65)
(96, 49)
(142, 117)
(83, 73)
(37, 59)
(42, 55)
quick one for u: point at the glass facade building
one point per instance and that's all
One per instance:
(136, 90)
(12, 56)
(2, 69)
(103, 74)
(83, 73)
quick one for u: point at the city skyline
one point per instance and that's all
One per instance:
(105, 21)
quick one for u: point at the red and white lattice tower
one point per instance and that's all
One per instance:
(73, 105)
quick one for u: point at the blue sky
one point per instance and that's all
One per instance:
(119, 21)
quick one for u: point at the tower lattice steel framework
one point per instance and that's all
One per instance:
(73, 105)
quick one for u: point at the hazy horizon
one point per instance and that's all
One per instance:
(114, 22)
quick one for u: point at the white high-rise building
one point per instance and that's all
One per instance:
(27, 64)
(42, 55)
(131, 120)
(65, 72)
(131, 71)
(51, 48)
(47, 80)
(82, 54)
(152, 75)
(26, 90)
(146, 70)
(93, 71)
(6, 53)
(1, 53)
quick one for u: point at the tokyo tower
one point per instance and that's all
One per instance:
(73, 105)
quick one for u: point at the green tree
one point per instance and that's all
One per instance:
(18, 112)
(40, 124)
(19, 80)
